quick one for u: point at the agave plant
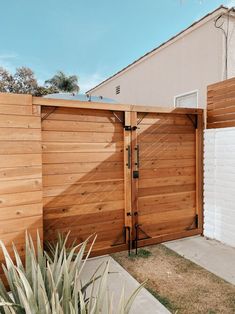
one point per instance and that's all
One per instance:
(61, 243)
(51, 283)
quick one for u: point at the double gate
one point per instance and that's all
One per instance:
(130, 174)
(133, 178)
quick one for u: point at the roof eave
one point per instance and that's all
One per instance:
(222, 7)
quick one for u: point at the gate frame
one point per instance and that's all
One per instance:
(198, 123)
(24, 107)
(130, 140)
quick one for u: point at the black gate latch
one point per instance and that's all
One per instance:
(135, 174)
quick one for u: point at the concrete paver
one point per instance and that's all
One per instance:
(119, 277)
(212, 255)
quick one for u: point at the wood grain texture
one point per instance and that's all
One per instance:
(221, 104)
(83, 174)
(167, 198)
(20, 171)
(63, 103)
(71, 158)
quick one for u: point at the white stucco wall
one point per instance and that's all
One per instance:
(219, 185)
(190, 63)
(231, 45)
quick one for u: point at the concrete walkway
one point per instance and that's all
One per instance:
(144, 302)
(214, 256)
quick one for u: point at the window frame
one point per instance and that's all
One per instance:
(195, 91)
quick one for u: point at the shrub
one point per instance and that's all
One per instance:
(51, 283)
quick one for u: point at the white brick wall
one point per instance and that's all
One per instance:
(219, 185)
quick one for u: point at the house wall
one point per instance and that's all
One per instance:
(219, 184)
(191, 62)
(231, 45)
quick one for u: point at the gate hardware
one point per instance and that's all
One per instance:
(135, 174)
(196, 220)
(48, 113)
(117, 117)
(127, 128)
(130, 128)
(137, 149)
(194, 224)
(126, 232)
(128, 164)
(141, 119)
(120, 237)
(129, 239)
(145, 234)
(136, 238)
(193, 120)
(135, 241)
(128, 214)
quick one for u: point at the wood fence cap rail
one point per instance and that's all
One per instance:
(43, 101)
(221, 84)
(18, 99)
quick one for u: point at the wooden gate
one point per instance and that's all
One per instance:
(166, 199)
(83, 175)
(133, 178)
(130, 174)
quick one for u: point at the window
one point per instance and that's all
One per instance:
(187, 100)
(118, 90)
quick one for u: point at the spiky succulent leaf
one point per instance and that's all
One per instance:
(51, 283)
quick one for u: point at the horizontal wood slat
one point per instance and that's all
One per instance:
(221, 104)
(20, 171)
(166, 199)
(68, 166)
(83, 174)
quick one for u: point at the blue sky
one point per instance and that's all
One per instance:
(90, 38)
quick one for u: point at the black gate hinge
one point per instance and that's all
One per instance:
(196, 220)
(130, 128)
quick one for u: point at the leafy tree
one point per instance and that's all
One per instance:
(63, 82)
(42, 90)
(23, 82)
(6, 81)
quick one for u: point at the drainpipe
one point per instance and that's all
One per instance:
(219, 22)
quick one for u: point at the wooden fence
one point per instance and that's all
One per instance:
(221, 104)
(131, 174)
(20, 169)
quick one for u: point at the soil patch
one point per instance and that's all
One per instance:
(180, 285)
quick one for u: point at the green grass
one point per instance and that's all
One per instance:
(211, 312)
(141, 253)
(164, 300)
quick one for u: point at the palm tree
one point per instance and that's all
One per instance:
(64, 83)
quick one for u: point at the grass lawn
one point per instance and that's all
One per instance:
(179, 284)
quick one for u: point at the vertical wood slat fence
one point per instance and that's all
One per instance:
(131, 174)
(221, 104)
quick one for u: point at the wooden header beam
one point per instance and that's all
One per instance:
(53, 102)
